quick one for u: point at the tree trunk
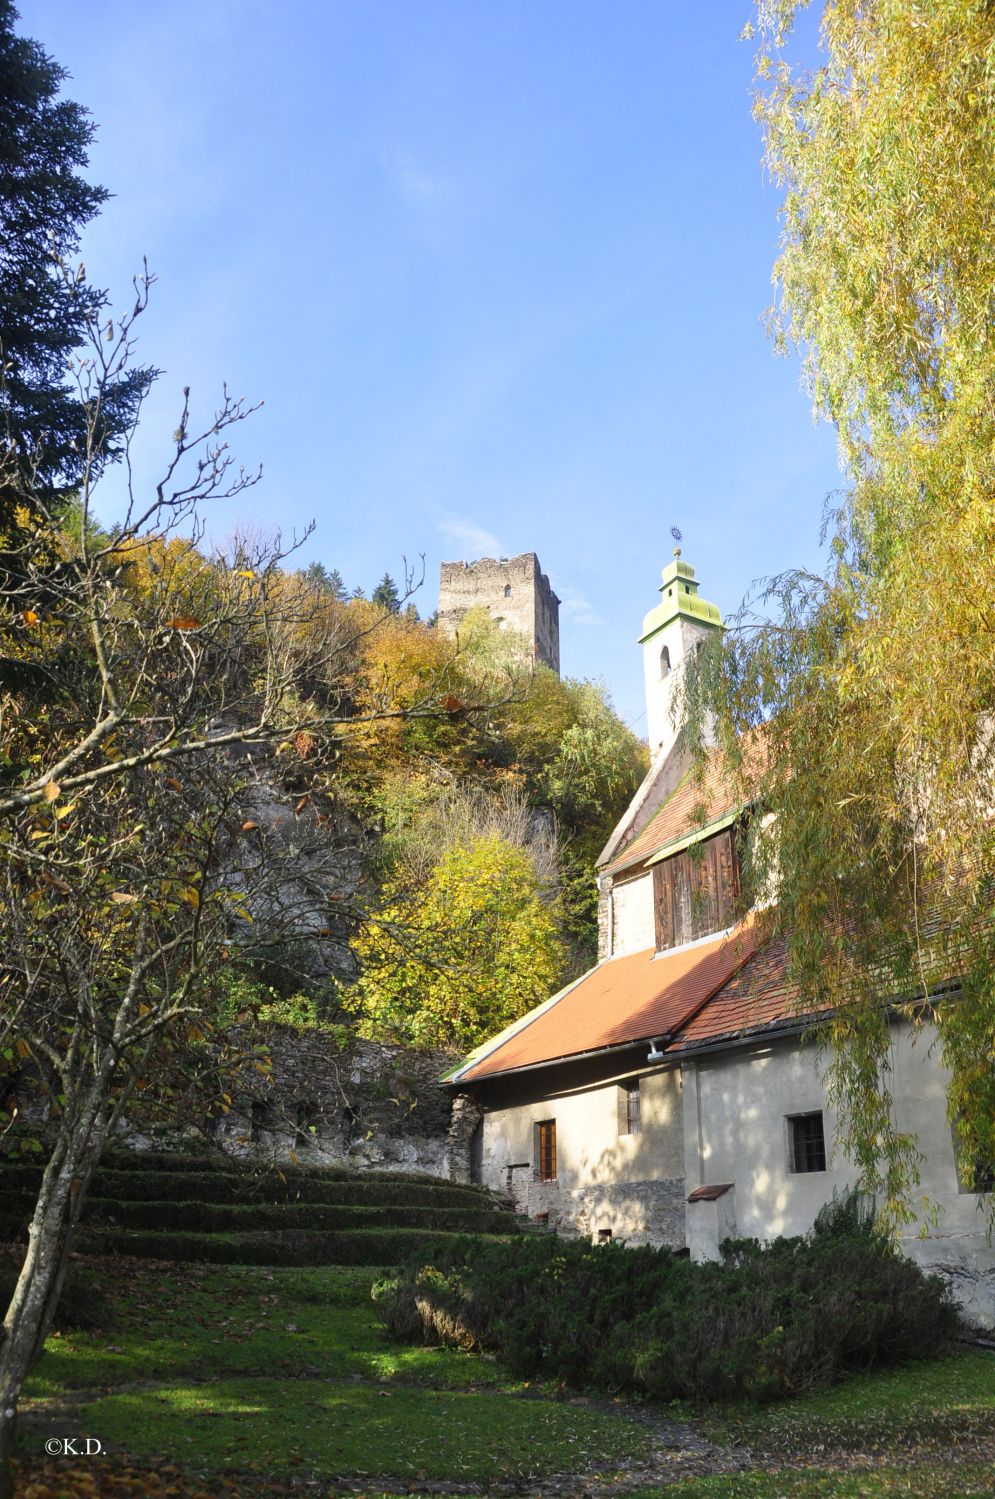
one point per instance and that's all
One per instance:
(36, 1293)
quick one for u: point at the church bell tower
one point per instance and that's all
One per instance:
(671, 632)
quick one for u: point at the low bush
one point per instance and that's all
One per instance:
(770, 1321)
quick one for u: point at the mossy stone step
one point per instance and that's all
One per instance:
(212, 1217)
(199, 1208)
(233, 1186)
(275, 1247)
(218, 1161)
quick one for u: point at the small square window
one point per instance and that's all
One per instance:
(546, 1150)
(604, 1235)
(807, 1142)
(983, 1177)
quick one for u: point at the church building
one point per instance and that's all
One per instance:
(672, 1095)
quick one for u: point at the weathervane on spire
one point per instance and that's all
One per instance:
(678, 538)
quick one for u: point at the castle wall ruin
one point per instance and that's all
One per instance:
(516, 594)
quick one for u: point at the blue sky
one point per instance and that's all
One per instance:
(497, 269)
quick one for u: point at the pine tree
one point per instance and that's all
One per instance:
(47, 311)
(386, 596)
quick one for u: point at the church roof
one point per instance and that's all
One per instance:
(758, 995)
(638, 997)
(693, 807)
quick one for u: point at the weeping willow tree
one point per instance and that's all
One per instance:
(870, 688)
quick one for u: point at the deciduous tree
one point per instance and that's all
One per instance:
(875, 680)
(459, 957)
(145, 685)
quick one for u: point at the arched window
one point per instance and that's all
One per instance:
(665, 662)
(507, 590)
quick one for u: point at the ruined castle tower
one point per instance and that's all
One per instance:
(516, 594)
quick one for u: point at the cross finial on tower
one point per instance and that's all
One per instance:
(678, 538)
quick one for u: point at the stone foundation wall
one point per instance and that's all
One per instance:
(647, 1212)
(368, 1106)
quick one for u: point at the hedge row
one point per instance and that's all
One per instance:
(218, 1162)
(769, 1322)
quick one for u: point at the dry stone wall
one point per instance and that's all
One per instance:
(369, 1106)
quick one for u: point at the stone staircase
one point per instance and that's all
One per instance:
(186, 1207)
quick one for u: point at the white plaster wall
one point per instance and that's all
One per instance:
(956, 1244)
(632, 1184)
(633, 928)
(736, 1104)
(735, 1130)
(589, 1148)
(680, 636)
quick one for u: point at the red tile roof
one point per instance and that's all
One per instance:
(757, 995)
(632, 998)
(694, 803)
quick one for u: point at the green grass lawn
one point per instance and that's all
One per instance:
(923, 1481)
(286, 1373)
(209, 1322)
(935, 1403)
(922, 1430)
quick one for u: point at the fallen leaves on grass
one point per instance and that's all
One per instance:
(108, 1478)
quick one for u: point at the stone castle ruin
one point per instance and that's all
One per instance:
(516, 594)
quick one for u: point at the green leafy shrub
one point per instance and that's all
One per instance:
(770, 1321)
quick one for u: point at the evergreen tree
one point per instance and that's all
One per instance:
(330, 583)
(386, 596)
(316, 574)
(46, 310)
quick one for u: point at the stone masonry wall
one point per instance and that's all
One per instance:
(368, 1106)
(515, 592)
(644, 1212)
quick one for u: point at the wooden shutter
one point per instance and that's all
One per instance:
(727, 877)
(546, 1131)
(696, 893)
(663, 901)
